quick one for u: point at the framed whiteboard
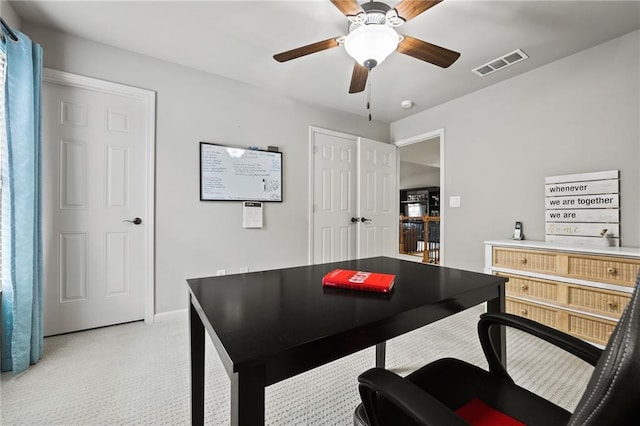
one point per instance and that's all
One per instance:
(238, 174)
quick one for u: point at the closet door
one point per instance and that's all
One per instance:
(354, 193)
(334, 197)
(377, 199)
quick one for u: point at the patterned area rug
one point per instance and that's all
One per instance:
(134, 374)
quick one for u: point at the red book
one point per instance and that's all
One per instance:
(359, 280)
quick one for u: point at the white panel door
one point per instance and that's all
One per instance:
(352, 178)
(94, 176)
(334, 197)
(377, 201)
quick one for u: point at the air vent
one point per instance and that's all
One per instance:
(501, 63)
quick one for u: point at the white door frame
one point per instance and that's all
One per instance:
(148, 98)
(439, 133)
(313, 130)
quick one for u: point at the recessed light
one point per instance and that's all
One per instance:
(406, 104)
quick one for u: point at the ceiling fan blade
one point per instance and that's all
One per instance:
(306, 50)
(348, 7)
(358, 78)
(428, 52)
(409, 9)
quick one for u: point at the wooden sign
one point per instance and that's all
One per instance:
(583, 215)
(583, 209)
(583, 229)
(583, 202)
(584, 188)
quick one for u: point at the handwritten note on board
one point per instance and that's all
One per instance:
(238, 174)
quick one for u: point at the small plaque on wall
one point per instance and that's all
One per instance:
(583, 209)
(251, 214)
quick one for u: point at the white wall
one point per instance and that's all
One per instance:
(9, 15)
(579, 114)
(417, 180)
(196, 238)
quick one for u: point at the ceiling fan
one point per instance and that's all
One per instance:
(372, 37)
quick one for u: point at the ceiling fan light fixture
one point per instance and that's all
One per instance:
(371, 44)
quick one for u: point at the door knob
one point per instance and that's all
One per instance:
(354, 220)
(135, 221)
(364, 220)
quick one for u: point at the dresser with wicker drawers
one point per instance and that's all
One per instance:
(579, 290)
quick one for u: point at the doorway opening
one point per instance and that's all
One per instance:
(420, 184)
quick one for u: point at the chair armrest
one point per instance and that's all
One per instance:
(409, 398)
(581, 349)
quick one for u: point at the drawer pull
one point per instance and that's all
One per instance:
(524, 287)
(523, 311)
(523, 260)
(612, 305)
(611, 270)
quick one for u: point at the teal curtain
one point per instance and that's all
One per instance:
(22, 336)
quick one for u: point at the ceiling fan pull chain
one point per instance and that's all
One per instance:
(369, 93)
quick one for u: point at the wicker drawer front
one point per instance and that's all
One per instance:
(608, 270)
(526, 260)
(576, 290)
(593, 329)
(528, 287)
(538, 313)
(600, 301)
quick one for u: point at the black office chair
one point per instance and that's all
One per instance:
(434, 394)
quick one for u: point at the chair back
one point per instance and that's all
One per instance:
(612, 396)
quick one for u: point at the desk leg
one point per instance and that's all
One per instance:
(247, 397)
(381, 351)
(498, 333)
(196, 329)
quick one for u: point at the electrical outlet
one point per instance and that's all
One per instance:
(454, 201)
(244, 269)
(221, 272)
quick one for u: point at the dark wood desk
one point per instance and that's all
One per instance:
(268, 326)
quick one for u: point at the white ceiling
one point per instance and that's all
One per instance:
(237, 39)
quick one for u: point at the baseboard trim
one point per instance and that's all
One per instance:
(178, 314)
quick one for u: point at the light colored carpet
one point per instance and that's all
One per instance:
(135, 374)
